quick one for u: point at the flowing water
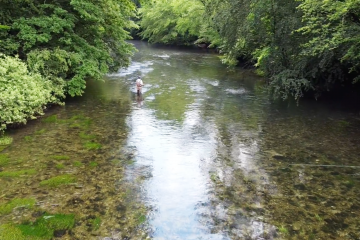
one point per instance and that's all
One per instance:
(201, 154)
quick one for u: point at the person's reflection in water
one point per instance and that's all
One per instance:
(139, 100)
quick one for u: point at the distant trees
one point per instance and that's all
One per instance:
(171, 21)
(299, 45)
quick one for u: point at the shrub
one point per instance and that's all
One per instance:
(23, 94)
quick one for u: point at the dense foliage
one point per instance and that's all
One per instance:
(172, 21)
(22, 94)
(306, 45)
(67, 41)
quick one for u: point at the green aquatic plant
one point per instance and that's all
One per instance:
(50, 119)
(93, 164)
(60, 157)
(16, 203)
(58, 221)
(10, 232)
(95, 223)
(320, 219)
(4, 159)
(283, 230)
(65, 179)
(5, 140)
(28, 138)
(35, 231)
(14, 174)
(85, 136)
(349, 183)
(81, 122)
(60, 166)
(45, 226)
(77, 164)
(41, 131)
(77, 117)
(116, 161)
(214, 177)
(141, 219)
(92, 145)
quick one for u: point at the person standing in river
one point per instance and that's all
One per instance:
(139, 85)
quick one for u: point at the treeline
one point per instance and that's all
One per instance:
(299, 45)
(49, 48)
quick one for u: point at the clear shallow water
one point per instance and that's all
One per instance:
(202, 154)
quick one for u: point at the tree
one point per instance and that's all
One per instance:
(171, 21)
(72, 40)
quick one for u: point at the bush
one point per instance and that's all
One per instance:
(23, 94)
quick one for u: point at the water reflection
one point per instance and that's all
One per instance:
(220, 154)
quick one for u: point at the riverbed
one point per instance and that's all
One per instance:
(202, 153)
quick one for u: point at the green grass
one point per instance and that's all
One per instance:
(95, 223)
(15, 174)
(60, 157)
(4, 140)
(77, 164)
(58, 181)
(17, 202)
(50, 119)
(4, 159)
(92, 145)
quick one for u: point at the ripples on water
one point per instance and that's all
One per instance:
(201, 154)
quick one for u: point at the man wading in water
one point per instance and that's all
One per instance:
(139, 84)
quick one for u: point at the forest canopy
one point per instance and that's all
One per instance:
(299, 45)
(63, 43)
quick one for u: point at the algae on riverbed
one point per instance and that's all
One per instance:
(59, 180)
(44, 228)
(7, 208)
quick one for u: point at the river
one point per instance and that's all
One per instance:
(203, 153)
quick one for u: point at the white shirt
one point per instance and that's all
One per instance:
(139, 84)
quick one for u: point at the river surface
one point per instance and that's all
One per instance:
(203, 153)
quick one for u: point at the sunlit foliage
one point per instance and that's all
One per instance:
(300, 46)
(171, 21)
(63, 43)
(23, 94)
(71, 40)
